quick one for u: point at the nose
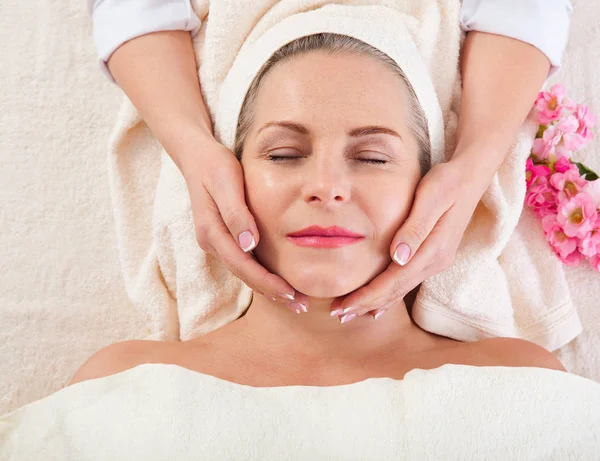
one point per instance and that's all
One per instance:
(327, 184)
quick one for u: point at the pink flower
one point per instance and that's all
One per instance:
(592, 188)
(568, 184)
(541, 197)
(568, 126)
(577, 216)
(574, 259)
(586, 121)
(563, 246)
(595, 262)
(541, 149)
(590, 245)
(551, 145)
(533, 172)
(551, 103)
(564, 164)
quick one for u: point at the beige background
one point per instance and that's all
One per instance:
(61, 293)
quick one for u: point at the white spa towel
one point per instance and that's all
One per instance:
(504, 283)
(455, 412)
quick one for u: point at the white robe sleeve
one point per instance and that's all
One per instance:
(117, 21)
(541, 23)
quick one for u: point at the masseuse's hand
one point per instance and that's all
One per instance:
(224, 225)
(426, 243)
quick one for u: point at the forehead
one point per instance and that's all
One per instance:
(325, 88)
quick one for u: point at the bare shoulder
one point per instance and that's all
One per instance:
(116, 358)
(512, 352)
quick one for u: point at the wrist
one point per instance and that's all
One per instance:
(186, 143)
(475, 166)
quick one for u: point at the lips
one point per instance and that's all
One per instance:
(324, 237)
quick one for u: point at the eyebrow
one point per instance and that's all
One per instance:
(355, 133)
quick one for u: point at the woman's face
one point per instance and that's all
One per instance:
(329, 147)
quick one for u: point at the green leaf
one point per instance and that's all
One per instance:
(585, 171)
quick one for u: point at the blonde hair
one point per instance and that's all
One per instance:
(336, 43)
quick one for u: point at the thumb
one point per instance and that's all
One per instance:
(228, 193)
(423, 217)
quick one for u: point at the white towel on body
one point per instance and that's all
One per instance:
(455, 412)
(504, 282)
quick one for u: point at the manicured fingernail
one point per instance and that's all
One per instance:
(348, 309)
(379, 314)
(286, 296)
(347, 318)
(298, 306)
(246, 240)
(336, 312)
(401, 254)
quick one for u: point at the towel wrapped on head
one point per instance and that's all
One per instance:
(505, 281)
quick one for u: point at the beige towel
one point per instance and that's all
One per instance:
(455, 412)
(183, 293)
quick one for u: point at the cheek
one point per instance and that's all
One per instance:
(267, 197)
(261, 192)
(389, 207)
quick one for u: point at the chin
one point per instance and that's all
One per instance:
(317, 285)
(326, 278)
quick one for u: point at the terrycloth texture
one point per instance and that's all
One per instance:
(62, 295)
(61, 292)
(494, 287)
(158, 412)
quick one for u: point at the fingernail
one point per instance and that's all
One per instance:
(336, 312)
(246, 240)
(401, 254)
(379, 314)
(286, 296)
(298, 306)
(347, 318)
(348, 309)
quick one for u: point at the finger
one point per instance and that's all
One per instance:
(227, 190)
(336, 307)
(435, 254)
(385, 290)
(244, 266)
(427, 209)
(378, 313)
(345, 318)
(395, 282)
(217, 238)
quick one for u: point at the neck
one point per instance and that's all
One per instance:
(316, 334)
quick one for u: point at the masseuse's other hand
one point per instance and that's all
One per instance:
(224, 226)
(426, 243)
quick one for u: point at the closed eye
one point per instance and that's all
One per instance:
(375, 161)
(282, 158)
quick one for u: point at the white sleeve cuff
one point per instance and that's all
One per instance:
(117, 21)
(541, 23)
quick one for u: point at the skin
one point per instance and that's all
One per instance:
(330, 183)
